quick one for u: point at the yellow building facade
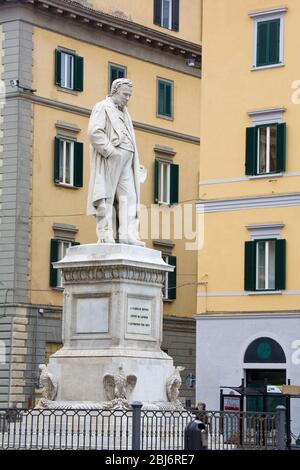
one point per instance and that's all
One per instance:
(248, 295)
(58, 61)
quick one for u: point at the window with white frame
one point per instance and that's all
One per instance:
(67, 70)
(265, 258)
(166, 182)
(58, 250)
(266, 143)
(66, 162)
(166, 14)
(266, 149)
(62, 251)
(268, 37)
(265, 264)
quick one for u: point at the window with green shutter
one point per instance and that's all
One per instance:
(268, 42)
(53, 258)
(280, 265)
(172, 284)
(68, 162)
(164, 98)
(69, 70)
(265, 264)
(166, 14)
(58, 249)
(78, 73)
(174, 184)
(115, 72)
(265, 149)
(78, 165)
(166, 182)
(169, 288)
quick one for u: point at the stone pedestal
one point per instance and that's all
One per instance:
(112, 326)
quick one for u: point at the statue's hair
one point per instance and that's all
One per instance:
(116, 84)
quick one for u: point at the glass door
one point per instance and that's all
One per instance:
(257, 379)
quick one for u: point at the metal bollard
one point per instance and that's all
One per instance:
(3, 423)
(136, 425)
(195, 436)
(281, 427)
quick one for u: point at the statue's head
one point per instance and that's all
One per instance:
(121, 91)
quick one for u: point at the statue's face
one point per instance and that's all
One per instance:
(122, 96)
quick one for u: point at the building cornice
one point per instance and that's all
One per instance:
(256, 112)
(268, 12)
(248, 315)
(257, 202)
(86, 112)
(179, 324)
(114, 25)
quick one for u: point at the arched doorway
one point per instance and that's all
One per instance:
(268, 352)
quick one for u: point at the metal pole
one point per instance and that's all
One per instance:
(136, 425)
(281, 439)
(242, 415)
(222, 409)
(288, 421)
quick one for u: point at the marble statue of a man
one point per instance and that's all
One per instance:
(114, 188)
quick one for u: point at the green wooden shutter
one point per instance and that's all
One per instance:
(156, 179)
(250, 266)
(262, 43)
(57, 67)
(78, 164)
(168, 99)
(281, 147)
(274, 41)
(161, 97)
(56, 160)
(157, 12)
(174, 183)
(251, 150)
(175, 15)
(164, 98)
(78, 73)
(172, 279)
(53, 258)
(115, 73)
(280, 264)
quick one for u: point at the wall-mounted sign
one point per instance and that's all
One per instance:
(232, 403)
(274, 388)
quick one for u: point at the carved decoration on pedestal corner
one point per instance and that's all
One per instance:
(173, 385)
(49, 385)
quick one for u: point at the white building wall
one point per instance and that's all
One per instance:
(221, 342)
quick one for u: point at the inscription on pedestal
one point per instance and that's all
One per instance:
(139, 316)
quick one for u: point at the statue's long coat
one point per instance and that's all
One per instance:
(105, 134)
